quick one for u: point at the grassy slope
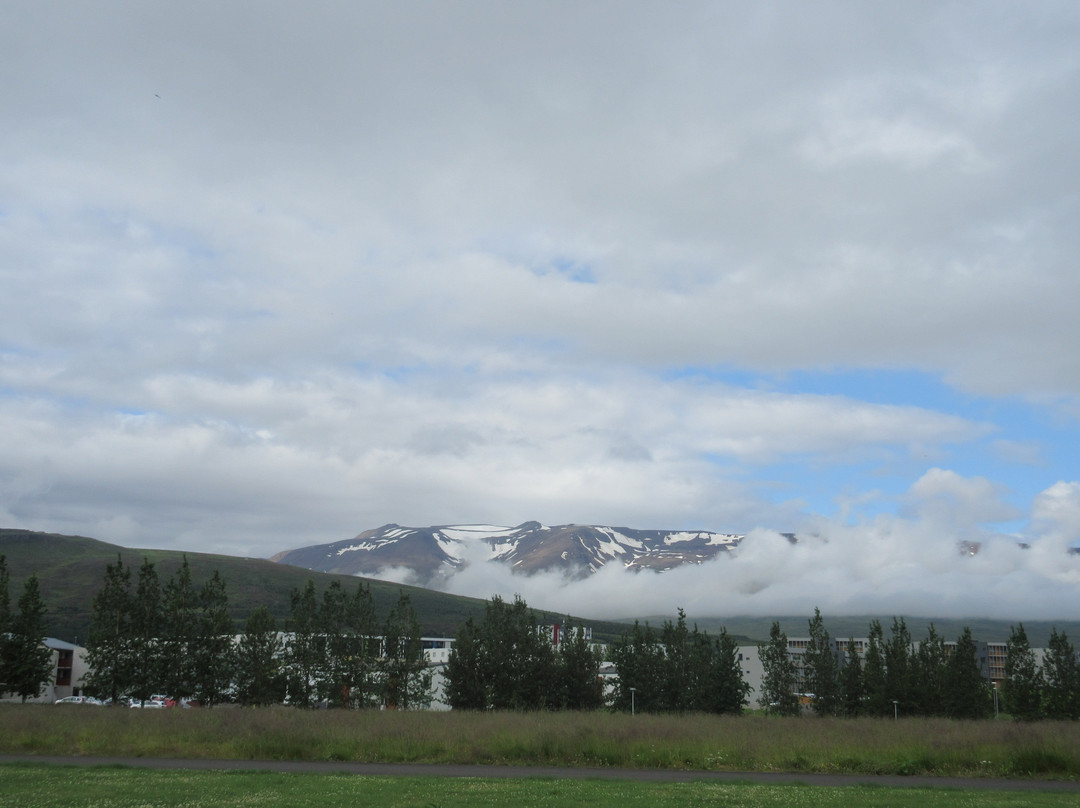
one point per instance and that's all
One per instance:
(71, 569)
(915, 746)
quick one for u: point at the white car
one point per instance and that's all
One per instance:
(77, 700)
(149, 704)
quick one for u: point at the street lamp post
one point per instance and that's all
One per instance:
(633, 710)
(995, 701)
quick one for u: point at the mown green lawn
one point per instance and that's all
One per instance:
(46, 786)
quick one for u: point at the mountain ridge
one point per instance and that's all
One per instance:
(438, 551)
(71, 569)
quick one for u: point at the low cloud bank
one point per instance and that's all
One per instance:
(912, 564)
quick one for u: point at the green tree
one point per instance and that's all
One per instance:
(466, 688)
(1022, 687)
(639, 663)
(181, 624)
(778, 675)
(1061, 677)
(306, 649)
(212, 650)
(108, 646)
(362, 671)
(5, 627)
(579, 670)
(29, 659)
(929, 671)
(260, 680)
(820, 668)
(678, 686)
(875, 683)
(517, 658)
(966, 693)
(352, 647)
(852, 685)
(404, 669)
(145, 626)
(727, 691)
(898, 680)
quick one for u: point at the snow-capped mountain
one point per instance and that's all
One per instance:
(577, 550)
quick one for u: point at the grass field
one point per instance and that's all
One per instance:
(69, 787)
(694, 742)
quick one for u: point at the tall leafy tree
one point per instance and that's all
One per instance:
(898, 680)
(820, 665)
(348, 624)
(144, 643)
(260, 680)
(1061, 677)
(466, 686)
(778, 674)
(966, 692)
(929, 671)
(852, 684)
(335, 626)
(678, 686)
(306, 649)
(726, 691)
(30, 660)
(517, 658)
(579, 670)
(181, 625)
(405, 675)
(878, 699)
(362, 670)
(212, 650)
(1023, 680)
(108, 646)
(5, 626)
(639, 662)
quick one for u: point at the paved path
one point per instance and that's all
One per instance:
(501, 772)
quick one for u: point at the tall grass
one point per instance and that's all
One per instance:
(701, 742)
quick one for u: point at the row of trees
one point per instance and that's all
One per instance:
(678, 670)
(508, 661)
(179, 639)
(1050, 690)
(897, 676)
(337, 652)
(25, 662)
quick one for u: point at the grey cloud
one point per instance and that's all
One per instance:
(277, 273)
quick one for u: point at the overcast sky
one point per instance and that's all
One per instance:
(272, 274)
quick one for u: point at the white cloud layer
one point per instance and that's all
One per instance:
(272, 274)
(907, 565)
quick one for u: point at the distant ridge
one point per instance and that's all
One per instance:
(576, 550)
(71, 569)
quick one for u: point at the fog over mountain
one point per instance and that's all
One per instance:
(273, 274)
(911, 565)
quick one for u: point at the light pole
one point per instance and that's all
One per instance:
(633, 710)
(995, 701)
(894, 710)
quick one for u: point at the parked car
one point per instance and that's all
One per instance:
(78, 700)
(150, 704)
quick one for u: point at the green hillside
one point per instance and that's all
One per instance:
(71, 569)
